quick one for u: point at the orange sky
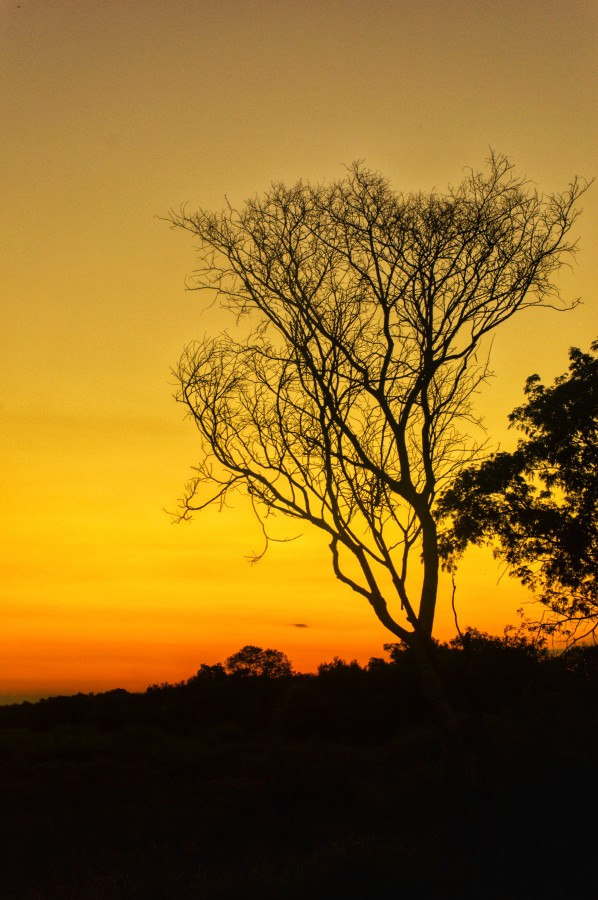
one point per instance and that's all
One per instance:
(111, 113)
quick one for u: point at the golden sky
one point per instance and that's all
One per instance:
(114, 111)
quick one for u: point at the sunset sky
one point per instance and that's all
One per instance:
(113, 112)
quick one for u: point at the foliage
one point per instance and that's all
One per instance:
(209, 673)
(337, 665)
(345, 402)
(253, 661)
(538, 505)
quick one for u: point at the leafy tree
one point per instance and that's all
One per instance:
(206, 672)
(538, 506)
(344, 401)
(250, 660)
(338, 665)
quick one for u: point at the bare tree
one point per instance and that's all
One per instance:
(347, 399)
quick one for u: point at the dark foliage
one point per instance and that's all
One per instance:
(254, 661)
(538, 506)
(327, 785)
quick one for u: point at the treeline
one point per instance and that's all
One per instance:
(248, 780)
(257, 690)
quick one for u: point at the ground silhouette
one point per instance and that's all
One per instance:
(334, 784)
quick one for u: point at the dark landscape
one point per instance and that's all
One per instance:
(248, 781)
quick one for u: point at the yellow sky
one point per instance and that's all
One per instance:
(111, 113)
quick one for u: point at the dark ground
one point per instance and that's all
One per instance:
(328, 786)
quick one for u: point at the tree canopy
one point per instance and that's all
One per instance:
(538, 506)
(344, 398)
(254, 661)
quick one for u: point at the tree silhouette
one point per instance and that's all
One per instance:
(538, 506)
(251, 660)
(344, 401)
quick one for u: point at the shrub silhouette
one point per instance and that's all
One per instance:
(253, 661)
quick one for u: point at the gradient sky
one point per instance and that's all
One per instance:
(114, 111)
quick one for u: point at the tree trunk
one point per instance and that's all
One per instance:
(460, 737)
(431, 560)
(434, 689)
